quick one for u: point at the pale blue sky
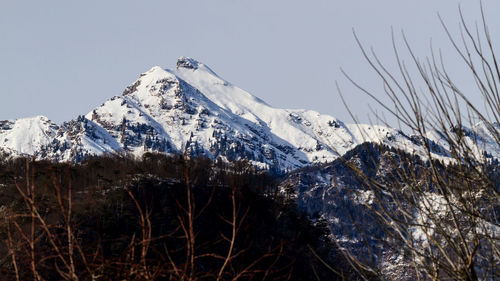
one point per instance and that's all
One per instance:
(63, 58)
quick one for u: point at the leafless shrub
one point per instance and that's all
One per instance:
(440, 216)
(45, 241)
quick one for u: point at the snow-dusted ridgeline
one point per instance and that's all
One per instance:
(190, 109)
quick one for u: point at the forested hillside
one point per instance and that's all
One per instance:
(157, 218)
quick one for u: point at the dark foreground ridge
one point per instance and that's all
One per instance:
(158, 218)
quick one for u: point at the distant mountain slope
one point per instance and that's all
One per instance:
(190, 109)
(340, 195)
(26, 135)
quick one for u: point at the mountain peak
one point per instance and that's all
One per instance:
(191, 109)
(155, 68)
(186, 62)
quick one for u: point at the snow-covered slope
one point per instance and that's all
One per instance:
(478, 139)
(26, 136)
(190, 109)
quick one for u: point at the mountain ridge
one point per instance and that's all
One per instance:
(190, 109)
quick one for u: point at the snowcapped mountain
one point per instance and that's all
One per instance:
(190, 109)
(26, 135)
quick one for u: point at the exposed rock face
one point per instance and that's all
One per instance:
(336, 194)
(192, 110)
(189, 63)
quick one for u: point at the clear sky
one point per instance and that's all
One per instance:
(62, 58)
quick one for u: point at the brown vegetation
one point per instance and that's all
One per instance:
(442, 217)
(159, 218)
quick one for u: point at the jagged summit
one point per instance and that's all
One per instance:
(186, 62)
(190, 109)
(26, 135)
(192, 65)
